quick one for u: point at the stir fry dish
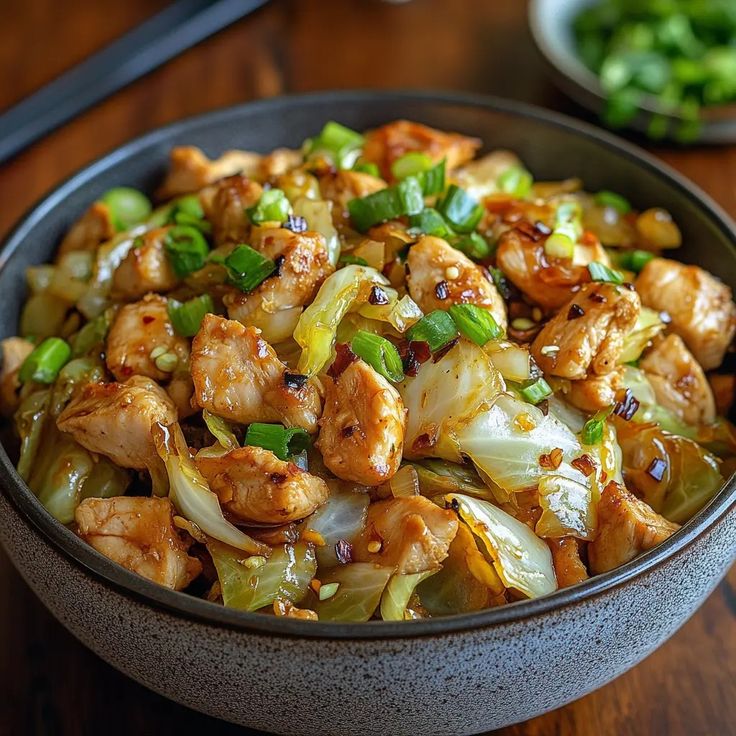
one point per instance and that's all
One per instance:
(380, 377)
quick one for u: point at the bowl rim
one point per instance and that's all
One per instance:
(63, 540)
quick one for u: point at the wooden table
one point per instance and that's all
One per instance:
(50, 684)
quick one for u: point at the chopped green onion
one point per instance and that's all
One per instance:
(433, 180)
(559, 245)
(350, 260)
(474, 246)
(273, 206)
(127, 206)
(188, 211)
(436, 329)
(411, 164)
(247, 268)
(187, 249)
(592, 432)
(634, 260)
(535, 390)
(430, 222)
(501, 283)
(367, 168)
(91, 335)
(379, 353)
(611, 199)
(187, 317)
(45, 361)
(341, 144)
(404, 198)
(460, 209)
(477, 324)
(516, 180)
(280, 441)
(600, 272)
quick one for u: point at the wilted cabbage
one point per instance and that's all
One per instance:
(648, 325)
(400, 312)
(438, 477)
(318, 214)
(568, 508)
(395, 598)
(360, 586)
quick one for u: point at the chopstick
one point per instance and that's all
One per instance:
(158, 39)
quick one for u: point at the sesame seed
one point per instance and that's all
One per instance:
(549, 349)
(537, 314)
(452, 272)
(328, 590)
(374, 546)
(522, 323)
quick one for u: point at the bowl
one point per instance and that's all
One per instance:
(456, 675)
(551, 26)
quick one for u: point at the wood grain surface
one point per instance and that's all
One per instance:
(50, 684)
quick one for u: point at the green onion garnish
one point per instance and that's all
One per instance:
(474, 246)
(350, 260)
(592, 432)
(91, 335)
(477, 324)
(341, 144)
(379, 353)
(433, 180)
(436, 329)
(431, 222)
(187, 210)
(535, 390)
(460, 209)
(411, 164)
(127, 206)
(600, 272)
(367, 168)
(404, 198)
(187, 249)
(559, 245)
(611, 199)
(45, 361)
(516, 181)
(634, 260)
(273, 206)
(187, 316)
(280, 441)
(247, 268)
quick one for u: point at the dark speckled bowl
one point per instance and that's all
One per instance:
(455, 675)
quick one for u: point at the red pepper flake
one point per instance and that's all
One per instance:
(279, 261)
(575, 312)
(597, 297)
(344, 551)
(445, 349)
(628, 285)
(551, 460)
(294, 380)
(344, 356)
(656, 469)
(533, 232)
(348, 431)
(627, 407)
(423, 442)
(441, 291)
(296, 223)
(278, 478)
(377, 296)
(413, 354)
(543, 406)
(584, 464)
(147, 319)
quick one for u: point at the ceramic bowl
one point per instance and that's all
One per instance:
(456, 675)
(551, 22)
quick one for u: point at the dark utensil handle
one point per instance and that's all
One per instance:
(173, 30)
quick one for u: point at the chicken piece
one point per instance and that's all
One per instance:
(254, 485)
(439, 276)
(700, 306)
(275, 305)
(587, 335)
(140, 331)
(479, 178)
(548, 282)
(190, 170)
(279, 162)
(181, 392)
(139, 533)
(592, 394)
(411, 533)
(723, 387)
(225, 205)
(238, 376)
(115, 420)
(389, 142)
(362, 427)
(14, 351)
(95, 226)
(679, 382)
(145, 268)
(341, 186)
(569, 568)
(626, 528)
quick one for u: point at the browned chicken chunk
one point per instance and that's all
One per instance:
(440, 276)
(115, 419)
(225, 204)
(142, 341)
(139, 534)
(592, 394)
(700, 306)
(362, 428)
(413, 534)
(95, 226)
(587, 335)
(237, 375)
(254, 485)
(341, 186)
(679, 382)
(626, 528)
(145, 268)
(569, 568)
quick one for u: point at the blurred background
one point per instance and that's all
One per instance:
(49, 684)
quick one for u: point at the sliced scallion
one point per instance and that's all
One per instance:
(347, 259)
(477, 324)
(611, 199)
(281, 441)
(436, 329)
(187, 316)
(431, 222)
(474, 246)
(433, 180)
(379, 353)
(600, 272)
(461, 210)
(367, 167)
(404, 198)
(516, 180)
(341, 144)
(247, 268)
(45, 361)
(592, 433)
(634, 260)
(127, 206)
(535, 390)
(186, 248)
(188, 210)
(273, 206)
(411, 164)
(559, 245)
